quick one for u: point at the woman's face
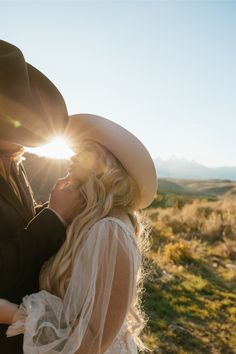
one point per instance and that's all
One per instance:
(84, 163)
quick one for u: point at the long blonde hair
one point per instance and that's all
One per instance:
(110, 187)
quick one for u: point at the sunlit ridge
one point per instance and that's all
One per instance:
(57, 149)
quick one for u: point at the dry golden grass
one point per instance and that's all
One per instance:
(191, 288)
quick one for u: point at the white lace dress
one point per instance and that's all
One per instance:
(97, 313)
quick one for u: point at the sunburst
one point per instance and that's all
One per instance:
(57, 149)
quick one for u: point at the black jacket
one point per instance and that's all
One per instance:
(26, 242)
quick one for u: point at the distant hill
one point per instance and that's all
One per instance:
(183, 169)
(172, 186)
(213, 187)
(43, 173)
(181, 191)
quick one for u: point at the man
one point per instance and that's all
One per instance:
(32, 111)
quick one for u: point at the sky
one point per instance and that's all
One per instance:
(165, 70)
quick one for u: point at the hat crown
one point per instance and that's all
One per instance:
(8, 49)
(32, 110)
(14, 78)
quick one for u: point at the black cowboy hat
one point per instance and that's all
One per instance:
(32, 110)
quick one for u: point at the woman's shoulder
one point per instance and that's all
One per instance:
(113, 223)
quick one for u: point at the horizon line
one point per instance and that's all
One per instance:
(173, 157)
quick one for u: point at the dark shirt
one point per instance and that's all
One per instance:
(26, 242)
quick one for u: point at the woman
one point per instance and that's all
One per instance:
(89, 299)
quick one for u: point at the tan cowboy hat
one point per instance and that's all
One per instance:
(32, 110)
(125, 146)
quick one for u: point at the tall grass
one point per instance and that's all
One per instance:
(190, 293)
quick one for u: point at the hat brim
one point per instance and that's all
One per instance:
(126, 147)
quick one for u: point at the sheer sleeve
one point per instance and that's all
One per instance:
(97, 300)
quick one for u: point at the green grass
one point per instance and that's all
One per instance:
(190, 293)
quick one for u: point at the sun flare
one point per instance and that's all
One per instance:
(57, 149)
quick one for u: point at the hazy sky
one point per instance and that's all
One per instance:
(164, 70)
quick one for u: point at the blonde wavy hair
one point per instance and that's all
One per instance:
(108, 187)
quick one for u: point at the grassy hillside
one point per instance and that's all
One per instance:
(196, 187)
(190, 292)
(212, 187)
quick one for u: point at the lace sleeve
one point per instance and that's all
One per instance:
(97, 300)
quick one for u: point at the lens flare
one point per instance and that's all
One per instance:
(57, 149)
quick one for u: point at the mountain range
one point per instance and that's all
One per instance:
(184, 169)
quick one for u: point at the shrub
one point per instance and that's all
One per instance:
(178, 252)
(229, 249)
